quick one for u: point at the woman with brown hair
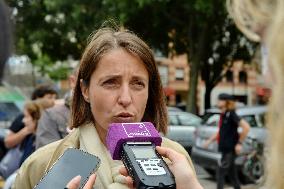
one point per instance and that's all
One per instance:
(118, 81)
(229, 140)
(32, 112)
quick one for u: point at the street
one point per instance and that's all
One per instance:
(208, 182)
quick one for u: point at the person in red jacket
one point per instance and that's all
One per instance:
(229, 140)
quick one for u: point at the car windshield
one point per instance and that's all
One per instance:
(8, 111)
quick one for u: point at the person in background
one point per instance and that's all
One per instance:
(118, 81)
(229, 140)
(32, 112)
(5, 51)
(54, 122)
(17, 131)
(263, 21)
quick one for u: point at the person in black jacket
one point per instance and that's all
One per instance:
(229, 140)
(17, 131)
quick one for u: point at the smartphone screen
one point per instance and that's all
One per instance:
(73, 162)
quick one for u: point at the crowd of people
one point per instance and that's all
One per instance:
(117, 80)
(20, 140)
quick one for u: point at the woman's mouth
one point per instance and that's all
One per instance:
(124, 117)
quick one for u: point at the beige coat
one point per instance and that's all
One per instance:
(40, 161)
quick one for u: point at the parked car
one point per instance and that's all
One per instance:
(174, 109)
(11, 103)
(182, 126)
(208, 158)
(10, 107)
(8, 112)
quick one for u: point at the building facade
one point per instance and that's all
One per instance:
(174, 74)
(240, 80)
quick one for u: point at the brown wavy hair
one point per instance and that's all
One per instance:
(102, 42)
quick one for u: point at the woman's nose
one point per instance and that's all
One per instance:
(125, 96)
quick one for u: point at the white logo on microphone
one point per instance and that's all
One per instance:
(135, 130)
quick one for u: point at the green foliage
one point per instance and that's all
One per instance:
(59, 73)
(42, 63)
(59, 29)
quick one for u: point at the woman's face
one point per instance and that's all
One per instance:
(29, 121)
(27, 116)
(118, 89)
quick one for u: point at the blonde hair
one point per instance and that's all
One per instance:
(269, 14)
(251, 16)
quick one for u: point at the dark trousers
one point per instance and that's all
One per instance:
(228, 168)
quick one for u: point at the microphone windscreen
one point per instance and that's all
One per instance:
(119, 133)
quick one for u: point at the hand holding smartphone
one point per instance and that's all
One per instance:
(73, 162)
(75, 182)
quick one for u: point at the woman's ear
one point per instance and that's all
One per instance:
(84, 90)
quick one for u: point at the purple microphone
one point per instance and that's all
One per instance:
(120, 133)
(135, 144)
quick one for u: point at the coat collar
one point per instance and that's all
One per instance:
(70, 141)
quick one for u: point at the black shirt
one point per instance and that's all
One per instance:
(228, 132)
(17, 124)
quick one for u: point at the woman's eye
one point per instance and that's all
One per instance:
(139, 84)
(110, 83)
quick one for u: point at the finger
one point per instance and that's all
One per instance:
(129, 182)
(172, 155)
(128, 179)
(123, 171)
(74, 183)
(91, 181)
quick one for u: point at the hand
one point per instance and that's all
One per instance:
(75, 182)
(179, 166)
(238, 148)
(206, 144)
(128, 179)
(30, 125)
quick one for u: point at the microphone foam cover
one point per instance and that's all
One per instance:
(119, 133)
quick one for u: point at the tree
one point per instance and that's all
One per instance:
(54, 30)
(199, 28)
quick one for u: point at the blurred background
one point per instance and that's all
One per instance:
(199, 51)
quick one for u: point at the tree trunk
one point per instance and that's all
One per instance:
(191, 98)
(196, 54)
(207, 97)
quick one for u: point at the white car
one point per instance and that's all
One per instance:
(182, 127)
(208, 158)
